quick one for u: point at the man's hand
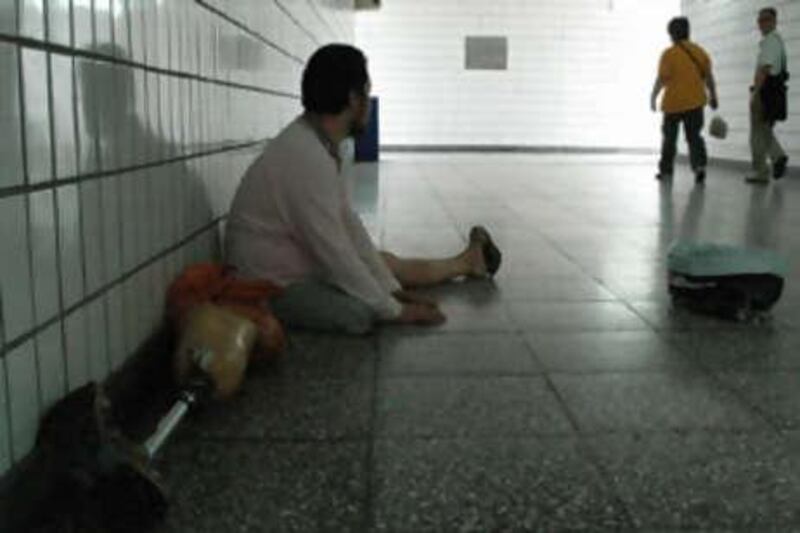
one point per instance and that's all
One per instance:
(420, 314)
(713, 103)
(408, 297)
(653, 106)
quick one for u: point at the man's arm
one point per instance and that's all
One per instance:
(317, 212)
(367, 251)
(762, 73)
(657, 86)
(711, 84)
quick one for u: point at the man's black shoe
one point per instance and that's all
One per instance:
(779, 167)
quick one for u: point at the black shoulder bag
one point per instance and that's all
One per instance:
(773, 94)
(694, 60)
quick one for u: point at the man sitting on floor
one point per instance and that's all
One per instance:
(292, 223)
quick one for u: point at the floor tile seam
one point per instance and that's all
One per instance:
(586, 435)
(386, 433)
(467, 378)
(741, 397)
(466, 375)
(206, 439)
(368, 498)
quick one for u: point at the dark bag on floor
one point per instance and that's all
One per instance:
(725, 281)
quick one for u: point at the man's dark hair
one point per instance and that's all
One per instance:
(770, 11)
(332, 73)
(678, 28)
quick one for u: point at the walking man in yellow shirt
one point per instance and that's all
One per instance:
(684, 73)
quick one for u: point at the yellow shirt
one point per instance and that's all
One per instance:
(684, 86)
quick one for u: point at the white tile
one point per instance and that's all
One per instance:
(116, 332)
(122, 36)
(37, 115)
(141, 134)
(52, 372)
(112, 229)
(141, 216)
(102, 27)
(45, 256)
(152, 52)
(128, 220)
(177, 116)
(8, 17)
(15, 282)
(31, 18)
(59, 24)
(78, 372)
(99, 365)
(24, 398)
(131, 314)
(82, 24)
(70, 252)
(64, 116)
(110, 108)
(5, 427)
(124, 138)
(167, 127)
(92, 227)
(11, 171)
(153, 116)
(156, 200)
(88, 80)
(137, 30)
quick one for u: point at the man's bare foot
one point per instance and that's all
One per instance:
(476, 261)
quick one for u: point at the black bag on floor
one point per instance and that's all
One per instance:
(725, 281)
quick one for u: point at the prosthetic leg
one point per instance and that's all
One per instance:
(116, 476)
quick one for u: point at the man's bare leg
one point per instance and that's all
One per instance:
(425, 272)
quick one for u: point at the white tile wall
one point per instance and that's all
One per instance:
(106, 218)
(8, 18)
(17, 297)
(70, 251)
(82, 23)
(11, 171)
(44, 255)
(52, 372)
(64, 116)
(5, 428)
(731, 36)
(92, 229)
(77, 349)
(579, 72)
(59, 29)
(24, 398)
(31, 18)
(37, 115)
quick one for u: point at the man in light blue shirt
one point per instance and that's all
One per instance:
(771, 63)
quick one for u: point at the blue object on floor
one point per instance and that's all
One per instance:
(367, 144)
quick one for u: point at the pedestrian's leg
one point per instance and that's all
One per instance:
(693, 126)
(759, 137)
(774, 148)
(777, 154)
(669, 138)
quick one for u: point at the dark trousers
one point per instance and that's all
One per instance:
(692, 126)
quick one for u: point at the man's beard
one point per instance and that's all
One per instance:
(356, 128)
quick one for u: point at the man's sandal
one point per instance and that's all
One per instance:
(491, 253)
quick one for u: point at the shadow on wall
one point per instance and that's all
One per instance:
(125, 131)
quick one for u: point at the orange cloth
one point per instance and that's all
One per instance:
(684, 86)
(210, 282)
